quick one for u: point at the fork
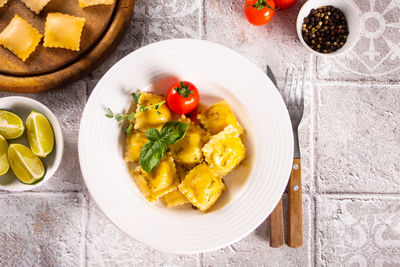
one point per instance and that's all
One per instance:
(295, 104)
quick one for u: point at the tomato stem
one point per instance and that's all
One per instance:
(260, 4)
(183, 90)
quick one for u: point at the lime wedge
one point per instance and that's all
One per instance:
(40, 134)
(11, 126)
(26, 166)
(4, 165)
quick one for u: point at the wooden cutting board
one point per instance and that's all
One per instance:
(49, 68)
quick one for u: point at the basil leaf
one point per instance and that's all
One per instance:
(151, 154)
(136, 97)
(173, 131)
(153, 134)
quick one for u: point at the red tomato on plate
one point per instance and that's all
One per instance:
(183, 97)
(193, 116)
(259, 12)
(284, 4)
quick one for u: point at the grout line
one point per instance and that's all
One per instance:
(313, 231)
(317, 249)
(317, 102)
(324, 80)
(200, 257)
(203, 19)
(84, 229)
(85, 223)
(356, 83)
(41, 192)
(200, 19)
(359, 195)
(312, 109)
(312, 219)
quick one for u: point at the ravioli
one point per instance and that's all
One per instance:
(162, 180)
(150, 118)
(224, 151)
(188, 150)
(202, 187)
(63, 31)
(175, 198)
(133, 145)
(20, 37)
(217, 117)
(3, 2)
(36, 5)
(86, 3)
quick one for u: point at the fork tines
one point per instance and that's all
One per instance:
(294, 87)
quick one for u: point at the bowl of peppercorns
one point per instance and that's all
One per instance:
(328, 27)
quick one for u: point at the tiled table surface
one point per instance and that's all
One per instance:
(350, 139)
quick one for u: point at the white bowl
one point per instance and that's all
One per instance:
(349, 9)
(22, 106)
(254, 188)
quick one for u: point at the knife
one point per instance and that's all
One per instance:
(276, 232)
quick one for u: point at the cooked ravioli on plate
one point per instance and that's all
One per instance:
(225, 151)
(192, 168)
(159, 182)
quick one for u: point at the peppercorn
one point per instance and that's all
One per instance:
(325, 29)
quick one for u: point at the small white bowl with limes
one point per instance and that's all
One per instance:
(31, 143)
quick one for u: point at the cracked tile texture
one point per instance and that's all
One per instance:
(350, 137)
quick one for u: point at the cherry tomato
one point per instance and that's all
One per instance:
(183, 97)
(259, 12)
(193, 116)
(284, 4)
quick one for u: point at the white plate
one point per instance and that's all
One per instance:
(253, 190)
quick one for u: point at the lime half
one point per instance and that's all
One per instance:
(11, 126)
(4, 165)
(26, 166)
(40, 134)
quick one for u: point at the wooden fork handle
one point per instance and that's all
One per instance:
(295, 218)
(276, 233)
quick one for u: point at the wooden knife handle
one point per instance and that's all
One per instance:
(295, 218)
(276, 233)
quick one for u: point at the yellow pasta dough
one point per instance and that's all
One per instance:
(85, 3)
(3, 2)
(36, 5)
(162, 180)
(151, 118)
(202, 187)
(20, 37)
(63, 31)
(133, 145)
(217, 117)
(188, 150)
(174, 198)
(224, 151)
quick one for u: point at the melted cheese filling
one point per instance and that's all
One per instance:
(224, 151)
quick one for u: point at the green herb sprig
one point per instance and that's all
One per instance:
(153, 151)
(132, 116)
